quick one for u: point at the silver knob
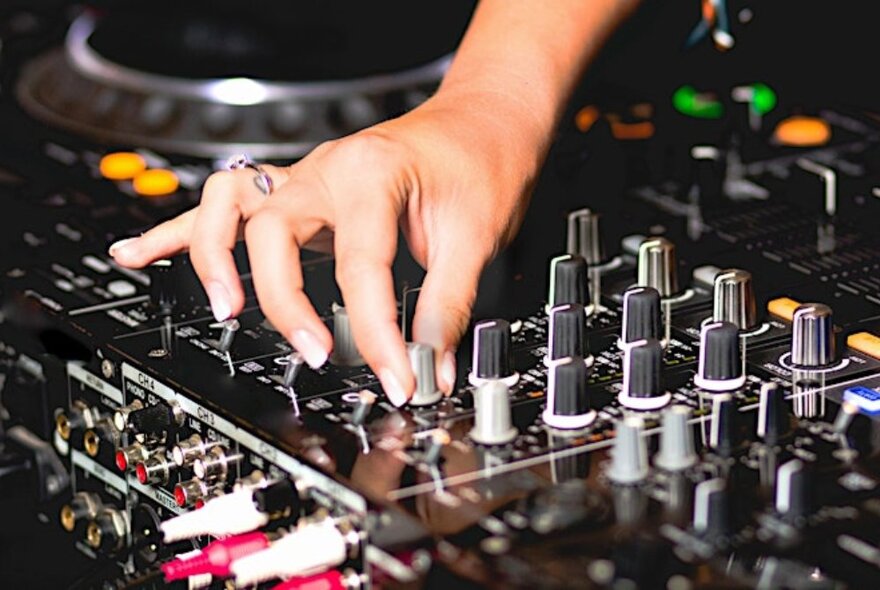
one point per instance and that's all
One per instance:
(676, 440)
(812, 338)
(228, 331)
(793, 489)
(295, 361)
(584, 237)
(492, 422)
(711, 508)
(421, 359)
(345, 352)
(734, 299)
(658, 266)
(629, 456)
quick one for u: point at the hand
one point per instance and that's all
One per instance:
(454, 174)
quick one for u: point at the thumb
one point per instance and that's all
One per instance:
(443, 310)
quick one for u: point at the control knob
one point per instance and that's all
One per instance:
(491, 354)
(345, 352)
(676, 440)
(629, 456)
(568, 402)
(720, 367)
(734, 299)
(492, 421)
(421, 359)
(641, 316)
(812, 338)
(658, 266)
(568, 333)
(568, 281)
(642, 387)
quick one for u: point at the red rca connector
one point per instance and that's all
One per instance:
(216, 557)
(332, 580)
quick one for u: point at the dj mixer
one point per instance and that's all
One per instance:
(671, 381)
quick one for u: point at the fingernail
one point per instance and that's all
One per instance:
(447, 371)
(309, 346)
(219, 298)
(117, 245)
(392, 387)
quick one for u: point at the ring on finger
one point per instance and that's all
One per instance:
(262, 180)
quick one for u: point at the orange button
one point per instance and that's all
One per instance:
(122, 165)
(631, 131)
(585, 118)
(783, 307)
(155, 183)
(865, 342)
(801, 131)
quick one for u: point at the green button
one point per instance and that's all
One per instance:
(688, 101)
(763, 98)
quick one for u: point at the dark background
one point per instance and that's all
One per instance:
(816, 53)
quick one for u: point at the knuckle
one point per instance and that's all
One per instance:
(351, 271)
(263, 220)
(217, 185)
(369, 150)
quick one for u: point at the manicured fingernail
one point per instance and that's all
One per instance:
(115, 246)
(310, 347)
(219, 298)
(447, 370)
(392, 387)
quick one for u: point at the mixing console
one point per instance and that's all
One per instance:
(673, 385)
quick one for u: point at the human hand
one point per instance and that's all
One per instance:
(454, 174)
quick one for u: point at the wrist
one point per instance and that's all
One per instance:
(497, 122)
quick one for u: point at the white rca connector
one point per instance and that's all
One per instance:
(311, 548)
(229, 514)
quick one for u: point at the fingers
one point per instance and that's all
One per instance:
(273, 238)
(365, 245)
(444, 308)
(213, 239)
(164, 240)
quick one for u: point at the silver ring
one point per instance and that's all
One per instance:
(262, 180)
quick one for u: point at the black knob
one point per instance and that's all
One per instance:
(711, 508)
(642, 369)
(151, 420)
(720, 367)
(279, 500)
(641, 315)
(793, 490)
(491, 353)
(568, 333)
(568, 402)
(774, 414)
(812, 337)
(725, 426)
(568, 281)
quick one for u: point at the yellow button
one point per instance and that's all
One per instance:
(801, 131)
(783, 307)
(865, 342)
(122, 165)
(156, 183)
